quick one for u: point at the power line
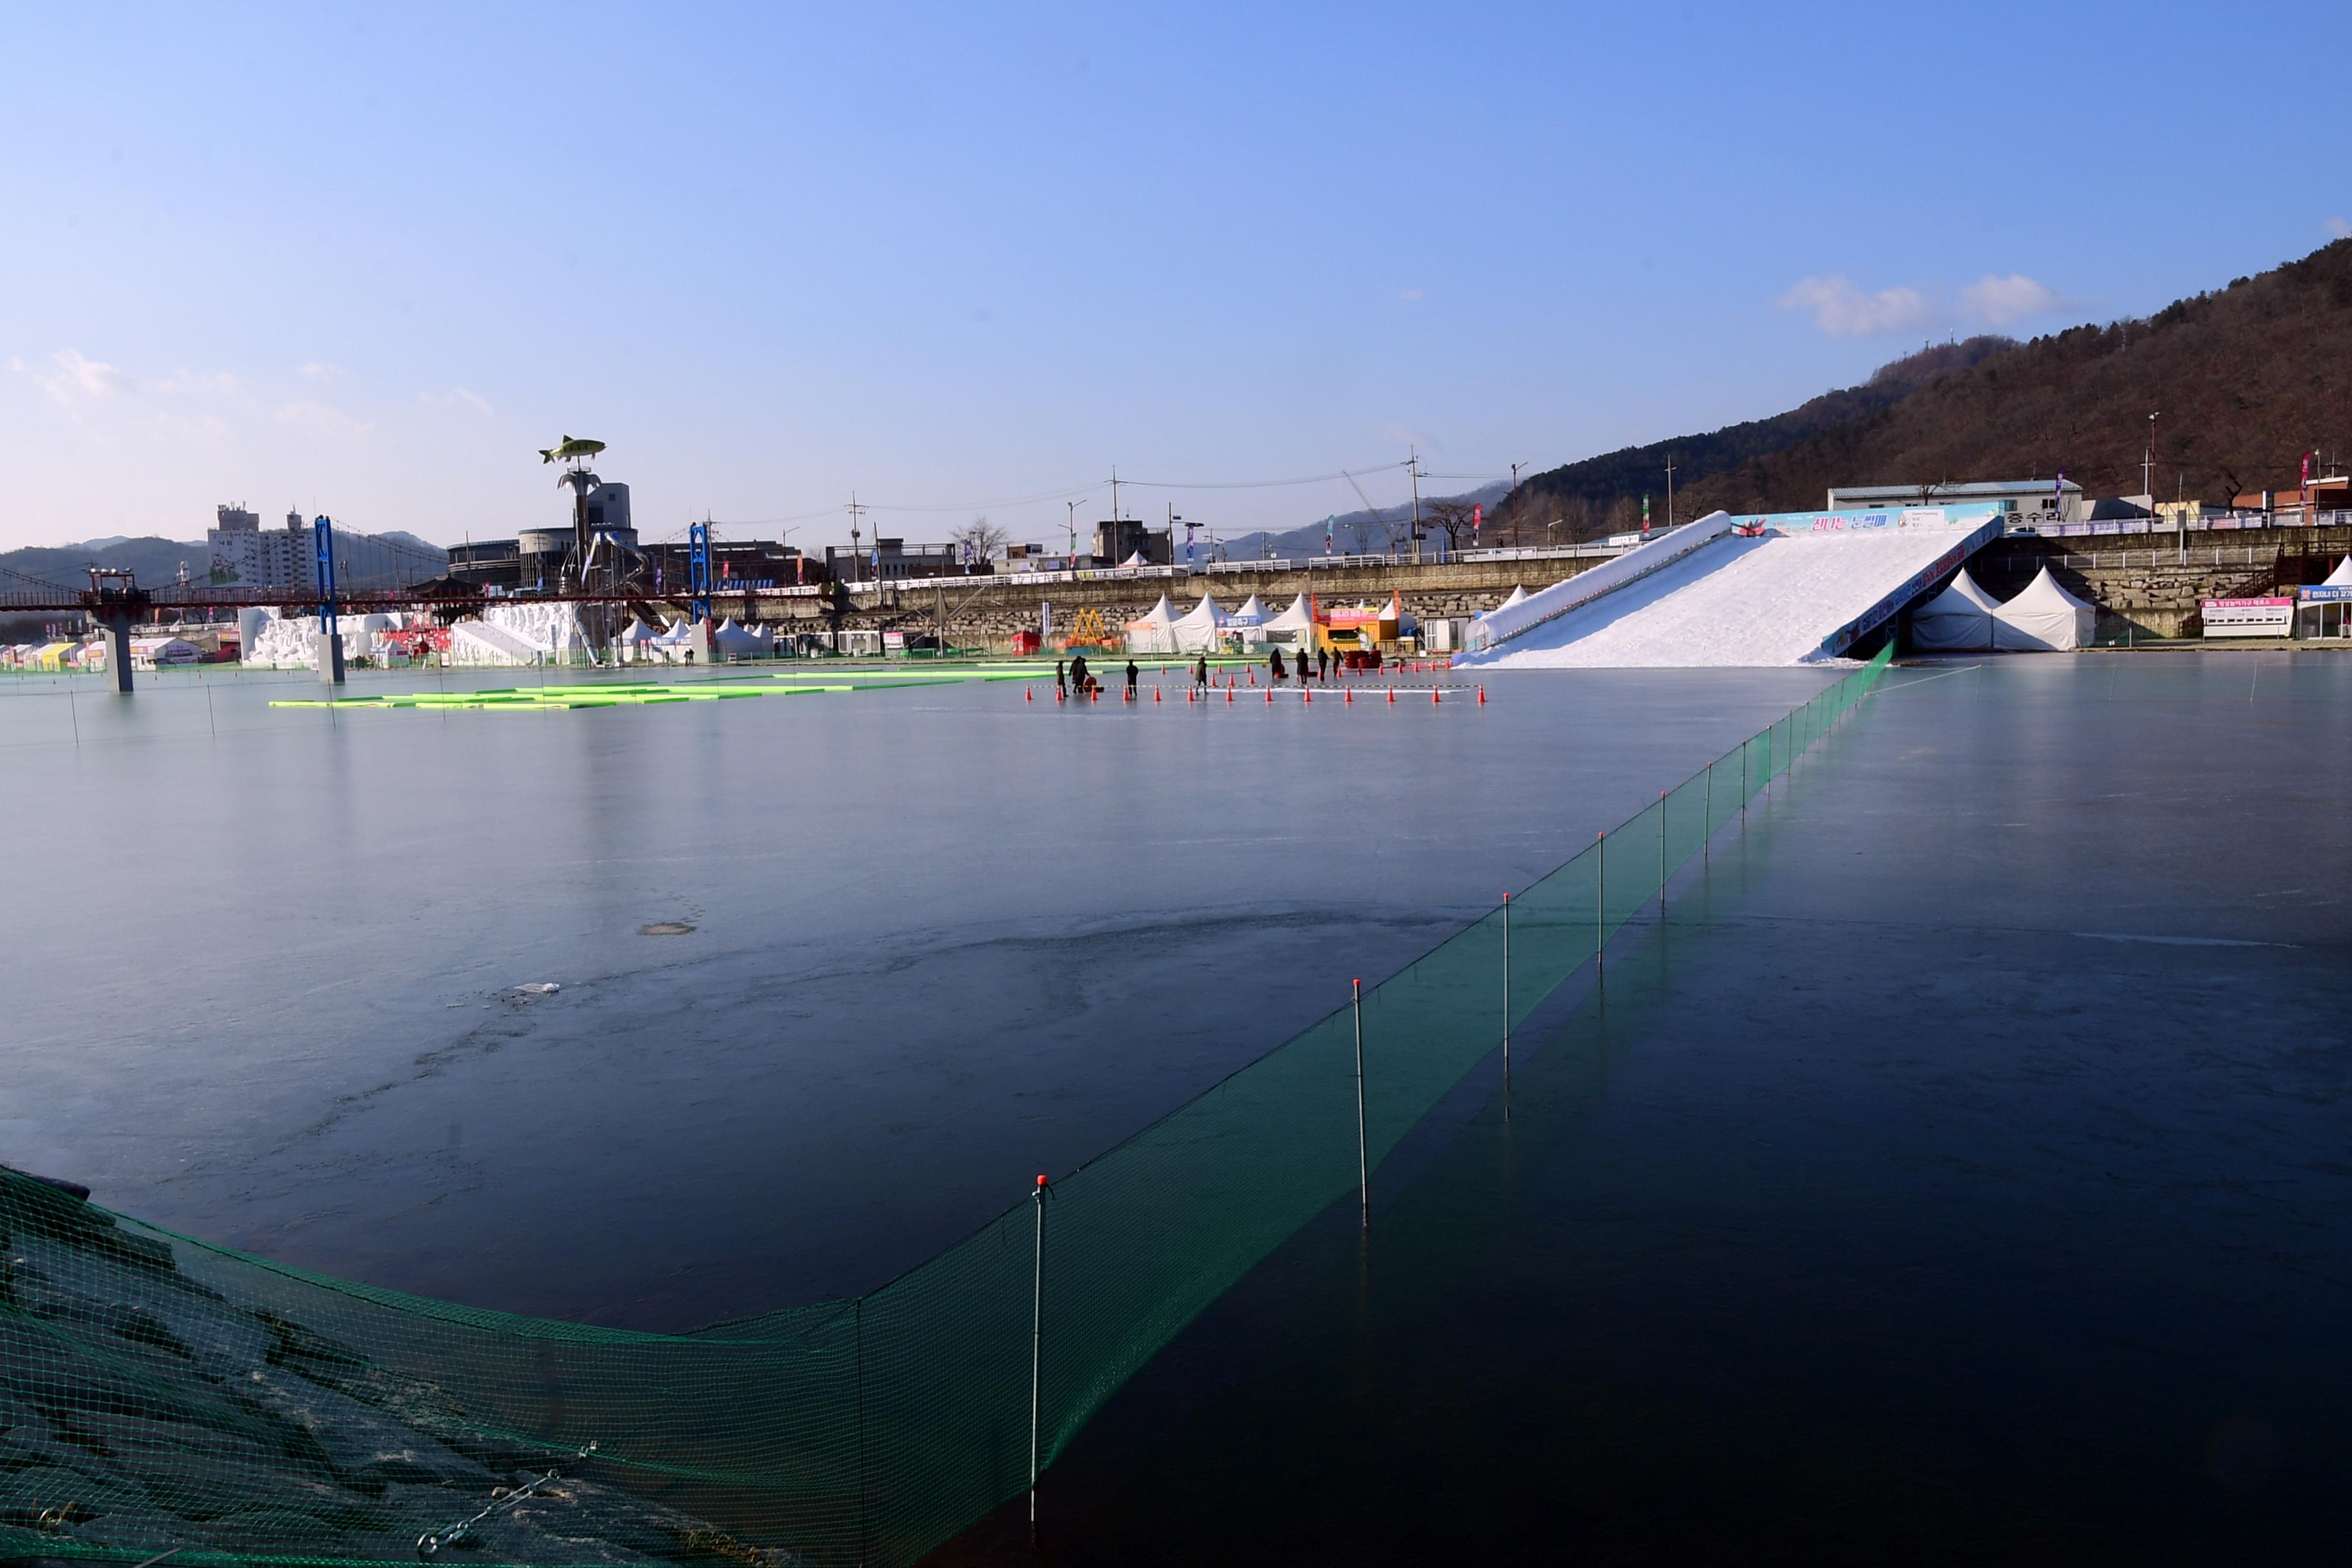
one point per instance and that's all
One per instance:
(1257, 484)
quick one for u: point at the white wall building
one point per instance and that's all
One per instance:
(252, 556)
(2029, 502)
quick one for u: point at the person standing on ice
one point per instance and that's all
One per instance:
(1200, 671)
(1061, 679)
(1131, 673)
(1275, 669)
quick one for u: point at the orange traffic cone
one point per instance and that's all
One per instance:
(1348, 695)
(1482, 697)
(1433, 694)
(1155, 694)
(1269, 694)
(1229, 691)
(1392, 694)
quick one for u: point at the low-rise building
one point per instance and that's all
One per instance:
(2030, 503)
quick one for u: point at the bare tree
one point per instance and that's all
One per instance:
(1452, 516)
(982, 541)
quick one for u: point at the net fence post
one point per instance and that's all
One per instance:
(1662, 855)
(1363, 1159)
(1599, 903)
(1036, 1344)
(1506, 1006)
(858, 1329)
(1706, 817)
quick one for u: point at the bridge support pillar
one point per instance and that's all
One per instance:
(118, 649)
(329, 650)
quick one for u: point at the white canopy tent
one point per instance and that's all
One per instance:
(2044, 618)
(1253, 613)
(1958, 619)
(1293, 626)
(1155, 632)
(1518, 596)
(1135, 559)
(2342, 577)
(737, 643)
(1197, 631)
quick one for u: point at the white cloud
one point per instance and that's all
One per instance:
(318, 419)
(2338, 228)
(318, 370)
(1843, 310)
(456, 395)
(75, 377)
(2002, 301)
(1409, 295)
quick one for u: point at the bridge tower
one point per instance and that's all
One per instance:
(697, 571)
(329, 644)
(116, 602)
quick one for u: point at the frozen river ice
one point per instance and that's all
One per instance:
(265, 990)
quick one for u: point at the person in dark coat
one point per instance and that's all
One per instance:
(1200, 671)
(1078, 677)
(1131, 673)
(1275, 669)
(1061, 679)
(1322, 664)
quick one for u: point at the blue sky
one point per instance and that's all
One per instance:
(366, 260)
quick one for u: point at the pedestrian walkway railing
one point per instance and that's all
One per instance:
(162, 1394)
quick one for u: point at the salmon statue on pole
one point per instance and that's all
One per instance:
(567, 449)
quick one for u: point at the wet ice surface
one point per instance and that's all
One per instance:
(1960, 1177)
(270, 988)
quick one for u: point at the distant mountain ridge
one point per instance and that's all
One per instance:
(156, 562)
(2243, 381)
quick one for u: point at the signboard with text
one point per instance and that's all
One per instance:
(2249, 617)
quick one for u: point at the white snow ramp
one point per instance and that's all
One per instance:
(1737, 600)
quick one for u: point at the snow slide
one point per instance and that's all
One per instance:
(1776, 598)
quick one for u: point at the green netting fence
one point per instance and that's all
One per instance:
(157, 1394)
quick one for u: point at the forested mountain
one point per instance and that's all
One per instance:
(2244, 380)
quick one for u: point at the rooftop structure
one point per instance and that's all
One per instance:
(2027, 502)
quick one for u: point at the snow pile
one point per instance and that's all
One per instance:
(269, 640)
(1751, 601)
(524, 633)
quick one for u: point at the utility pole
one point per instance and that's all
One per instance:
(2147, 465)
(1074, 532)
(856, 512)
(1114, 513)
(1670, 491)
(1412, 464)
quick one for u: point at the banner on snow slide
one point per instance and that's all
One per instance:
(1818, 522)
(1879, 613)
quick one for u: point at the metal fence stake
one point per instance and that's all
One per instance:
(1363, 1161)
(1036, 1344)
(1599, 903)
(1506, 1006)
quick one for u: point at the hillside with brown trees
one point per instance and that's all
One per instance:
(2242, 380)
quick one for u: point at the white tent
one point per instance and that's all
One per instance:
(1155, 632)
(1252, 613)
(735, 643)
(1518, 596)
(1196, 632)
(1135, 559)
(1958, 619)
(1297, 618)
(2043, 618)
(2342, 577)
